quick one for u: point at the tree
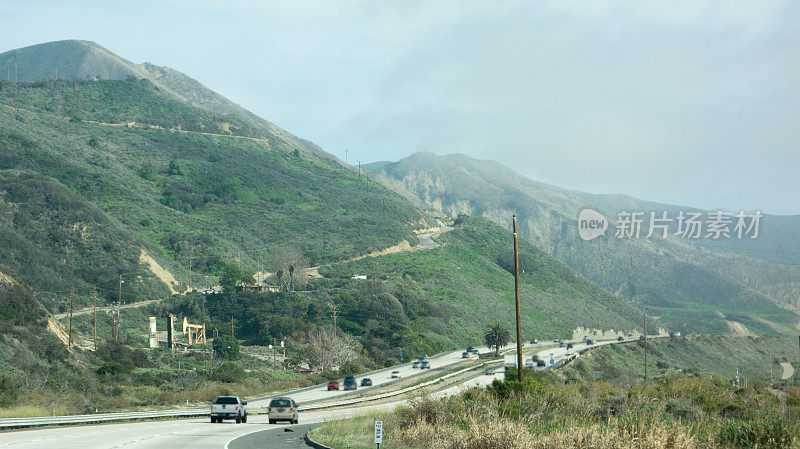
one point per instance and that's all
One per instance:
(174, 168)
(325, 352)
(231, 274)
(292, 267)
(226, 347)
(497, 336)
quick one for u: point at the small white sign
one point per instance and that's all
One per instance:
(378, 432)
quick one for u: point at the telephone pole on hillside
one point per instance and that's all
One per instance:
(516, 296)
(94, 306)
(645, 347)
(334, 321)
(71, 307)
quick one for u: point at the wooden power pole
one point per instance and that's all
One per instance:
(516, 296)
(334, 321)
(71, 307)
(94, 306)
(645, 347)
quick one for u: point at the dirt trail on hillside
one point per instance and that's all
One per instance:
(426, 241)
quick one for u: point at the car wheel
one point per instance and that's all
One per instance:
(272, 421)
(238, 420)
(244, 418)
(213, 420)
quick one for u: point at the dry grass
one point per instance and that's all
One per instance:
(671, 414)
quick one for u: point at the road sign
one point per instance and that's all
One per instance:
(378, 432)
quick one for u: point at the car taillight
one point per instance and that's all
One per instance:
(237, 408)
(291, 410)
(270, 409)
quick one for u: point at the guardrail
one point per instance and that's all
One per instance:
(10, 423)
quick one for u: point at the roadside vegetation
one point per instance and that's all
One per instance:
(703, 411)
(757, 359)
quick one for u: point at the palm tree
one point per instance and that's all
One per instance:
(497, 336)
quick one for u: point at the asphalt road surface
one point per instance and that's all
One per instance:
(286, 438)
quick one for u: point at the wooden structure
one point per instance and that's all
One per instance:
(196, 333)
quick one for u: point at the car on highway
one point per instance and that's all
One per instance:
(489, 372)
(465, 355)
(415, 364)
(589, 341)
(229, 407)
(475, 351)
(560, 344)
(350, 383)
(333, 385)
(540, 362)
(425, 365)
(620, 338)
(585, 337)
(366, 382)
(630, 335)
(534, 342)
(569, 345)
(395, 374)
(282, 409)
(470, 349)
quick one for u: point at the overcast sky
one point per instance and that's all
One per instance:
(686, 102)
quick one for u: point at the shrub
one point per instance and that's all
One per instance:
(112, 368)
(228, 372)
(226, 347)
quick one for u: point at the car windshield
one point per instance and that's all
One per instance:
(226, 400)
(280, 403)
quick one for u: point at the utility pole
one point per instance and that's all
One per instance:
(94, 306)
(334, 321)
(645, 347)
(119, 308)
(190, 269)
(359, 170)
(71, 306)
(516, 296)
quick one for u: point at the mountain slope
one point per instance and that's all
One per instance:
(694, 288)
(470, 276)
(193, 185)
(84, 60)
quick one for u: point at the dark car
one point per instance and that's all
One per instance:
(366, 382)
(465, 355)
(589, 341)
(620, 338)
(534, 341)
(350, 383)
(470, 348)
(540, 363)
(333, 385)
(569, 345)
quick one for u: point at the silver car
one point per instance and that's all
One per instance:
(282, 409)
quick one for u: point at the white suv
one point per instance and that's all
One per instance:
(282, 409)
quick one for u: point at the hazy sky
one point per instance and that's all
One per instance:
(687, 102)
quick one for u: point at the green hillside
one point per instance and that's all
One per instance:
(694, 288)
(756, 358)
(238, 194)
(470, 277)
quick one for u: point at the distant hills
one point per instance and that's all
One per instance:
(694, 285)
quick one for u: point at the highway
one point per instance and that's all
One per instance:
(199, 433)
